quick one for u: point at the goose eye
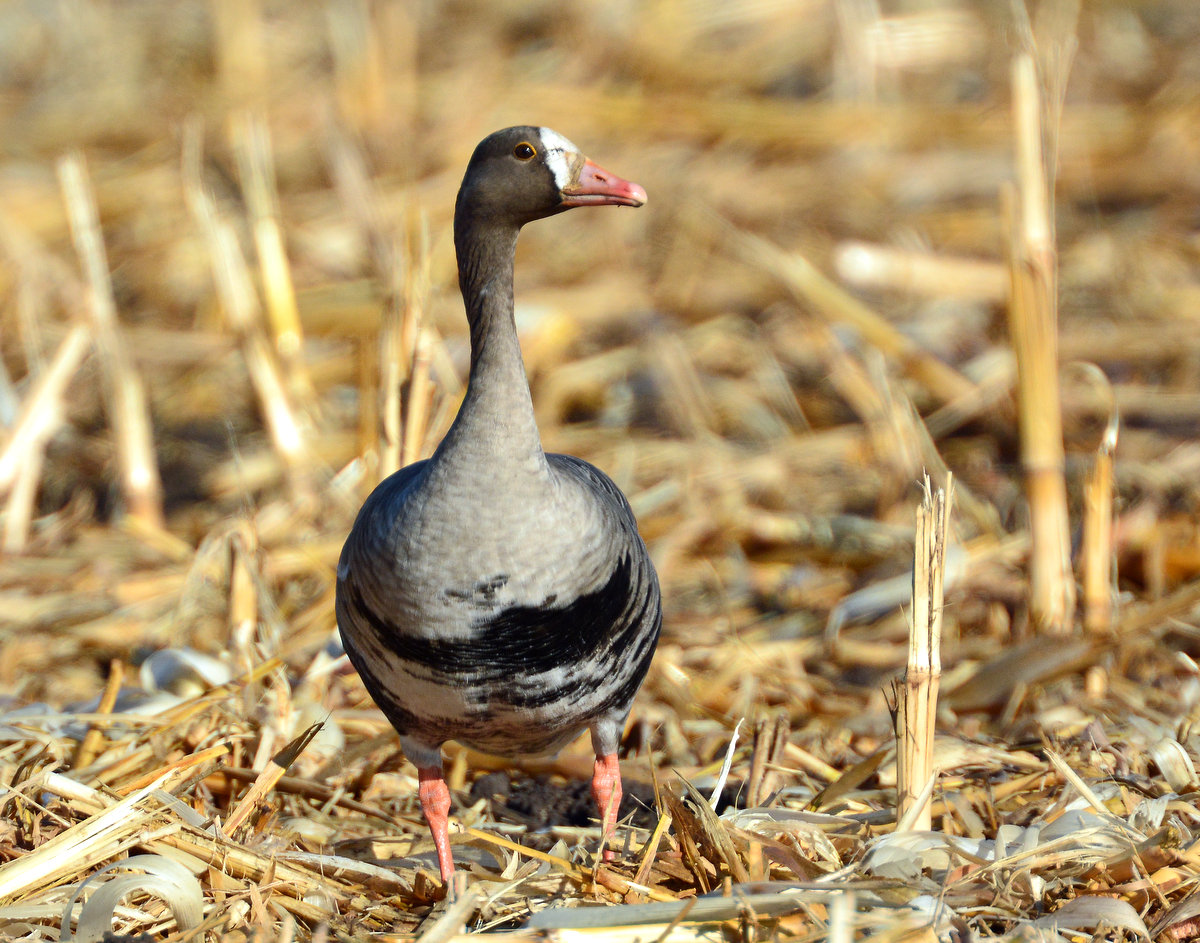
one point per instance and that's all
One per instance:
(524, 151)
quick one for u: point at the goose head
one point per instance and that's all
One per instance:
(525, 173)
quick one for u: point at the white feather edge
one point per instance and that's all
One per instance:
(557, 152)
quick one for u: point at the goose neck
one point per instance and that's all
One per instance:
(497, 411)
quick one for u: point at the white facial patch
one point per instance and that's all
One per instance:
(558, 152)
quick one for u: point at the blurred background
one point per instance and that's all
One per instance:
(228, 306)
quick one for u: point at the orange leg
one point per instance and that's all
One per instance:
(606, 790)
(435, 803)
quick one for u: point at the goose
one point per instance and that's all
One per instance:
(495, 594)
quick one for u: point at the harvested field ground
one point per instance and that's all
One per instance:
(228, 306)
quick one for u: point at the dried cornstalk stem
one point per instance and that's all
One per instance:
(917, 699)
(243, 601)
(770, 737)
(237, 295)
(18, 511)
(42, 410)
(240, 305)
(418, 401)
(841, 918)
(1033, 324)
(257, 171)
(128, 410)
(405, 353)
(243, 863)
(650, 851)
(397, 342)
(416, 340)
(1096, 552)
(267, 779)
(22, 456)
(925, 274)
(758, 761)
(92, 741)
(394, 363)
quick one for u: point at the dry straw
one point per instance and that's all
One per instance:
(1097, 552)
(126, 395)
(1033, 323)
(256, 164)
(243, 311)
(41, 416)
(917, 697)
